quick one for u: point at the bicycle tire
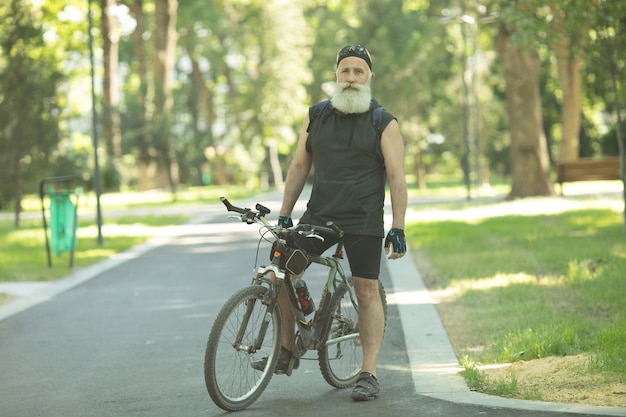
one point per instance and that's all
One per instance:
(230, 380)
(340, 363)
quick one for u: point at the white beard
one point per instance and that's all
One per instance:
(352, 101)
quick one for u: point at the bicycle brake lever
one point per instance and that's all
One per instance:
(310, 234)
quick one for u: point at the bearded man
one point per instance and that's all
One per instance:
(352, 161)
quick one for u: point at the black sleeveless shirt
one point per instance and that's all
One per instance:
(349, 176)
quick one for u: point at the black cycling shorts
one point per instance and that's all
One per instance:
(363, 252)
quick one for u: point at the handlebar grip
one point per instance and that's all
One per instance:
(335, 228)
(230, 207)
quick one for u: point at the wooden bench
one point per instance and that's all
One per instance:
(587, 169)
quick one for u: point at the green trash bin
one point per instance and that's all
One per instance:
(63, 216)
(62, 222)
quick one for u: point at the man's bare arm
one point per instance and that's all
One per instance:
(297, 173)
(392, 147)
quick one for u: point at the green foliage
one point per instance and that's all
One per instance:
(547, 340)
(29, 108)
(263, 62)
(610, 351)
(475, 380)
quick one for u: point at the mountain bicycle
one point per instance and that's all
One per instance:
(249, 325)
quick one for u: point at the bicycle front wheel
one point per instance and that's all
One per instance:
(231, 381)
(341, 358)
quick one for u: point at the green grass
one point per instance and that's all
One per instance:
(135, 199)
(23, 257)
(530, 286)
(441, 186)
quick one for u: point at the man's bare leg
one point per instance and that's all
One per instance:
(285, 362)
(371, 321)
(289, 321)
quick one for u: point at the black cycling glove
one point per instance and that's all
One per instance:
(285, 221)
(396, 238)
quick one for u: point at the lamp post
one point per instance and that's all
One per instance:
(94, 125)
(462, 18)
(473, 24)
(470, 82)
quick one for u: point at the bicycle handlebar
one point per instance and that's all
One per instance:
(330, 229)
(247, 215)
(250, 216)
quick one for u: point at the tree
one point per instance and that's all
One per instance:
(610, 34)
(110, 86)
(208, 56)
(564, 27)
(29, 107)
(245, 84)
(165, 49)
(228, 85)
(530, 165)
(139, 113)
(570, 23)
(282, 76)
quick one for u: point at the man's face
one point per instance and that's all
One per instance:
(353, 70)
(352, 92)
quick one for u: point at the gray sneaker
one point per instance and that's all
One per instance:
(366, 388)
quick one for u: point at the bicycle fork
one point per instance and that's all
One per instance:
(270, 301)
(258, 341)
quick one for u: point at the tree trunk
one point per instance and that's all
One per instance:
(419, 169)
(165, 49)
(206, 98)
(111, 117)
(621, 144)
(17, 171)
(144, 137)
(274, 163)
(569, 64)
(571, 79)
(529, 152)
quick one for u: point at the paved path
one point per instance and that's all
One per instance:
(126, 337)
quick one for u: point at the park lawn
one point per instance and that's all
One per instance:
(23, 257)
(522, 287)
(154, 198)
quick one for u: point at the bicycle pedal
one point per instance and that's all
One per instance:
(294, 363)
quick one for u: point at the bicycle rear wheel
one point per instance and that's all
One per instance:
(231, 381)
(341, 358)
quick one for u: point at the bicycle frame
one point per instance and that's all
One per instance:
(310, 333)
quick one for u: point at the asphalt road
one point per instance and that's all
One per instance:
(129, 340)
